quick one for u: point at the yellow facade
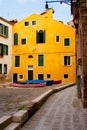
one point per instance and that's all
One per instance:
(58, 57)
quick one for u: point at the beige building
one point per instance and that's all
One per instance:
(5, 49)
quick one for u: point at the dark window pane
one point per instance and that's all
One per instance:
(66, 76)
(23, 41)
(34, 22)
(5, 68)
(41, 36)
(57, 38)
(66, 60)
(26, 23)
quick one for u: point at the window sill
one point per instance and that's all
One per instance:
(3, 36)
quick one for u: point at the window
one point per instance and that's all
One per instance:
(3, 30)
(3, 49)
(48, 76)
(6, 31)
(40, 76)
(21, 76)
(40, 36)
(17, 61)
(23, 41)
(66, 76)
(30, 56)
(26, 23)
(57, 39)
(5, 68)
(40, 60)
(34, 22)
(15, 38)
(66, 60)
(66, 42)
(0, 68)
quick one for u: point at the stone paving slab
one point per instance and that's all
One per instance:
(62, 111)
(14, 99)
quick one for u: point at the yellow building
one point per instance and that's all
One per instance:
(43, 48)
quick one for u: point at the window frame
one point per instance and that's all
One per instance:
(17, 63)
(15, 39)
(39, 37)
(23, 42)
(40, 60)
(34, 22)
(57, 40)
(66, 45)
(26, 23)
(66, 76)
(67, 60)
(5, 68)
(41, 74)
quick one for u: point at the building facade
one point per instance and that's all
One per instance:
(5, 49)
(80, 21)
(43, 48)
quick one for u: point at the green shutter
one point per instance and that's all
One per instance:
(1, 50)
(15, 39)
(40, 60)
(44, 36)
(66, 41)
(17, 61)
(6, 50)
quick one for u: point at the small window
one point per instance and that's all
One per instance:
(40, 76)
(48, 76)
(66, 60)
(5, 68)
(66, 42)
(66, 76)
(30, 56)
(21, 76)
(34, 22)
(57, 39)
(0, 68)
(23, 41)
(26, 23)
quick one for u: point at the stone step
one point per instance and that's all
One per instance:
(13, 126)
(5, 121)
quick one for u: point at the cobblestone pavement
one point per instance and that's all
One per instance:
(62, 111)
(14, 99)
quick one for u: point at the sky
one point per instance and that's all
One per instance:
(20, 9)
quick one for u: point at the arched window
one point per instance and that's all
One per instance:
(15, 38)
(30, 56)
